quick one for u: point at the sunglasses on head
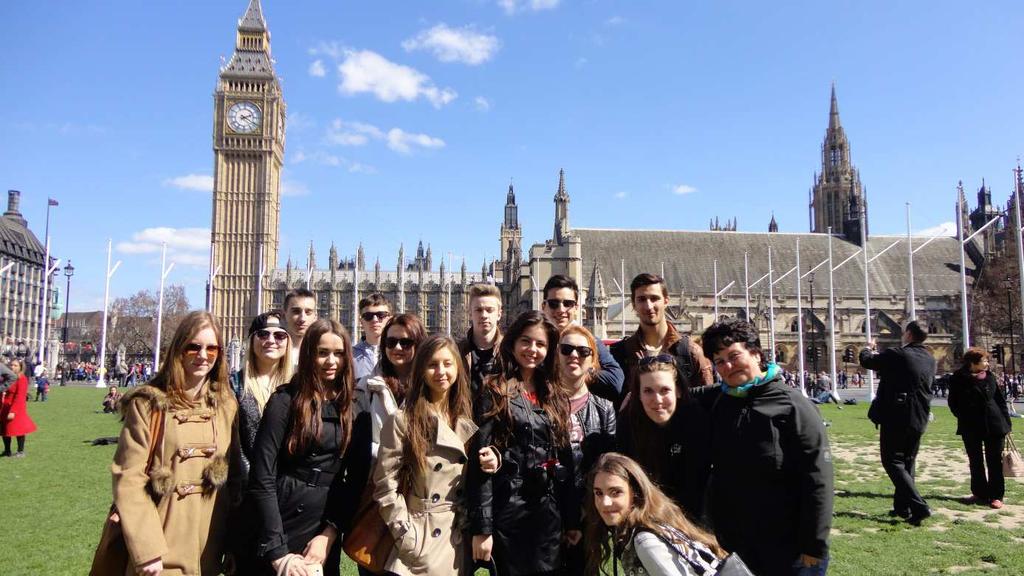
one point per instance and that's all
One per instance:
(659, 359)
(405, 343)
(279, 335)
(581, 351)
(192, 350)
(371, 316)
(556, 303)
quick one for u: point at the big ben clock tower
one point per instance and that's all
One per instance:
(248, 146)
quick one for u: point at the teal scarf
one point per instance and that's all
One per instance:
(743, 390)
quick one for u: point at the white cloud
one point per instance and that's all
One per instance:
(620, 195)
(482, 104)
(513, 6)
(581, 62)
(366, 71)
(464, 45)
(331, 49)
(615, 21)
(944, 229)
(352, 133)
(683, 189)
(185, 246)
(324, 159)
(317, 70)
(289, 188)
(402, 141)
(200, 182)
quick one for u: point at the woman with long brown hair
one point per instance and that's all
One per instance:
(629, 519)
(419, 474)
(521, 512)
(311, 460)
(169, 497)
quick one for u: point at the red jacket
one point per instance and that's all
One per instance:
(16, 401)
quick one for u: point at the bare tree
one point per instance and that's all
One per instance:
(133, 321)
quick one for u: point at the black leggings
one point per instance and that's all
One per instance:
(7, 444)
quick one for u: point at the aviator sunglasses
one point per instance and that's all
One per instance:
(581, 351)
(211, 352)
(555, 303)
(393, 343)
(279, 335)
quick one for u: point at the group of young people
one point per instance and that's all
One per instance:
(537, 450)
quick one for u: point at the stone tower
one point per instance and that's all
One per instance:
(837, 197)
(561, 210)
(511, 238)
(248, 147)
(597, 304)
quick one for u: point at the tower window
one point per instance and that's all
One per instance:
(835, 156)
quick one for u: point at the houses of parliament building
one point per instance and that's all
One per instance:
(249, 141)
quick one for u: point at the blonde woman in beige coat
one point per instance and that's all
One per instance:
(174, 514)
(419, 474)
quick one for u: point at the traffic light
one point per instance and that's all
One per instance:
(997, 354)
(848, 355)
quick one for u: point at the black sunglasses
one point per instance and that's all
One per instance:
(556, 303)
(279, 335)
(581, 351)
(370, 316)
(405, 343)
(659, 359)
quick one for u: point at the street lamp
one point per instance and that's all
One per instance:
(1008, 283)
(69, 271)
(814, 331)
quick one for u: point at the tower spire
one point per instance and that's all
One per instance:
(833, 112)
(561, 210)
(253, 18)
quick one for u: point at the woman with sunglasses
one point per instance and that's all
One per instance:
(521, 512)
(311, 460)
(383, 391)
(268, 364)
(592, 418)
(419, 477)
(170, 497)
(668, 433)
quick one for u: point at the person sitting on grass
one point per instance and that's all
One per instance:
(112, 401)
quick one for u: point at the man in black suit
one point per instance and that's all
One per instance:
(900, 409)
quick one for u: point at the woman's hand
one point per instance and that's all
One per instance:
(10, 415)
(296, 567)
(152, 568)
(573, 537)
(490, 462)
(482, 545)
(316, 550)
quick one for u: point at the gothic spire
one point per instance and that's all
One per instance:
(595, 292)
(561, 210)
(833, 112)
(773, 226)
(253, 18)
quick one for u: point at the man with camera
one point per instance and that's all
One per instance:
(900, 410)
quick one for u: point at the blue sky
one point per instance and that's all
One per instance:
(407, 120)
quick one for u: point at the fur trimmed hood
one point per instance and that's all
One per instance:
(155, 397)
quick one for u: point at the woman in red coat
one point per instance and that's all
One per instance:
(14, 420)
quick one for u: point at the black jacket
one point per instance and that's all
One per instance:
(772, 480)
(597, 421)
(293, 501)
(979, 405)
(904, 387)
(677, 457)
(523, 506)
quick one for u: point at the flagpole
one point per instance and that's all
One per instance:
(714, 266)
(164, 271)
(746, 286)
(832, 318)
(41, 356)
(870, 375)
(771, 307)
(964, 326)
(800, 320)
(622, 290)
(101, 383)
(1020, 248)
(259, 283)
(910, 267)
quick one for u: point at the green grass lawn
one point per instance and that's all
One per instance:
(54, 500)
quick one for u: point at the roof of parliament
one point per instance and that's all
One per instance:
(16, 240)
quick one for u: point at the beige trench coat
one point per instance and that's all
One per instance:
(177, 512)
(427, 520)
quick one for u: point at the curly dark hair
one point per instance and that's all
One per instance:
(728, 332)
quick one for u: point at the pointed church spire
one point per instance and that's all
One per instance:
(332, 257)
(773, 226)
(253, 18)
(311, 259)
(360, 258)
(561, 210)
(595, 292)
(833, 112)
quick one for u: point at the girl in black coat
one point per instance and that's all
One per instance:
(983, 422)
(520, 513)
(311, 460)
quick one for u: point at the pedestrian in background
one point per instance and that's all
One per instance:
(982, 421)
(900, 410)
(14, 419)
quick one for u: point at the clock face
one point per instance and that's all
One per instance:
(244, 117)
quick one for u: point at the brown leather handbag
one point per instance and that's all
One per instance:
(369, 542)
(111, 557)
